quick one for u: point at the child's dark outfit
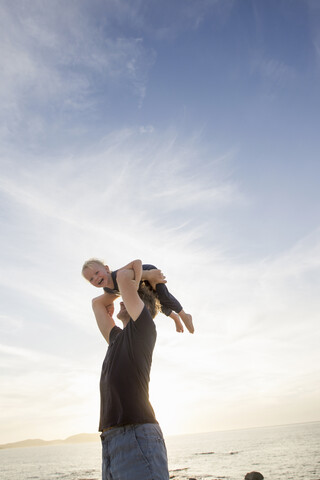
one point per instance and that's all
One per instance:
(167, 300)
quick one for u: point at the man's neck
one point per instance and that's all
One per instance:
(125, 322)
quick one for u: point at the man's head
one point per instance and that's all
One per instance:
(148, 297)
(96, 272)
(123, 315)
(254, 476)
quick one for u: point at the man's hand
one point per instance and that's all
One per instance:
(110, 309)
(154, 276)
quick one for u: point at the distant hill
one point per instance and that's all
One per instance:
(37, 442)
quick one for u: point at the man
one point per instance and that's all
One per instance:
(133, 447)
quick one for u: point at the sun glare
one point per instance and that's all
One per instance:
(165, 406)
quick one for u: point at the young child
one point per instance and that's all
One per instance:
(101, 276)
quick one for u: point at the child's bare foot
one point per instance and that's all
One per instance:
(175, 317)
(187, 320)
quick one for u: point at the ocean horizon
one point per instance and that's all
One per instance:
(283, 452)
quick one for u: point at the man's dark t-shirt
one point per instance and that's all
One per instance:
(125, 375)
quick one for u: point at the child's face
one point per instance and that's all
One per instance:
(97, 275)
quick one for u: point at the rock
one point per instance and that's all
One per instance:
(254, 476)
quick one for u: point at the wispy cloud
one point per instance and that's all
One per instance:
(276, 71)
(275, 75)
(128, 169)
(168, 21)
(59, 64)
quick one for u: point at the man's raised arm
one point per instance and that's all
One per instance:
(103, 309)
(128, 290)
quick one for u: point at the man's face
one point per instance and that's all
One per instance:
(123, 315)
(97, 275)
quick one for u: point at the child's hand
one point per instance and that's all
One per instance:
(154, 277)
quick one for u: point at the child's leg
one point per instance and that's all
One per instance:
(187, 320)
(169, 303)
(175, 317)
(166, 309)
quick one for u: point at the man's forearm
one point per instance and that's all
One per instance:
(101, 307)
(137, 269)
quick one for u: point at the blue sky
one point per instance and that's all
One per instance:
(186, 134)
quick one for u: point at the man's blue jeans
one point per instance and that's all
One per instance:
(134, 452)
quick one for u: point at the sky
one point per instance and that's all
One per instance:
(185, 134)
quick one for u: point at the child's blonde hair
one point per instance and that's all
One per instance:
(89, 263)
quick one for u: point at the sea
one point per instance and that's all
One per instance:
(289, 452)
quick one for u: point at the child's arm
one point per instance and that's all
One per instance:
(103, 309)
(136, 266)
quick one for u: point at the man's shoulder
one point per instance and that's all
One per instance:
(115, 331)
(145, 316)
(144, 322)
